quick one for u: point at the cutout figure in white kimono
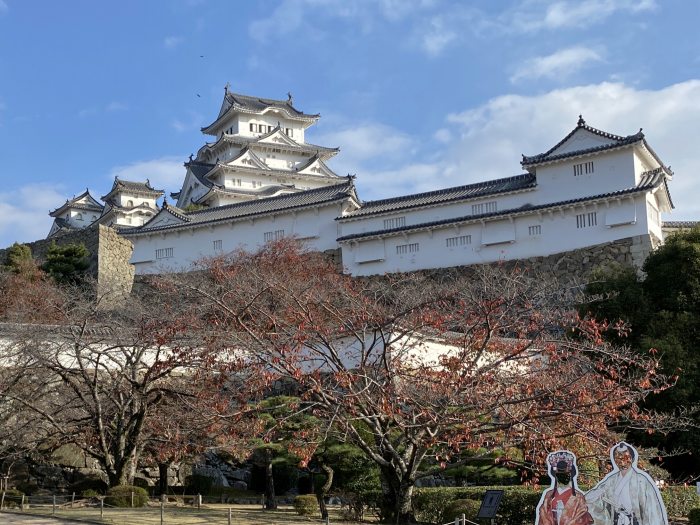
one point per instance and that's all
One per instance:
(627, 495)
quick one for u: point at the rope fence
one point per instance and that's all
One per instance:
(185, 510)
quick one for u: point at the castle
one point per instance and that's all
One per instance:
(259, 180)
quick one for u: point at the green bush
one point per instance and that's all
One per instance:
(694, 517)
(198, 484)
(89, 493)
(120, 496)
(518, 504)
(468, 507)
(27, 487)
(679, 501)
(306, 505)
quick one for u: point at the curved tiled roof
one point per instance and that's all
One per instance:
(525, 181)
(93, 205)
(257, 105)
(265, 191)
(240, 140)
(648, 184)
(256, 207)
(137, 187)
(618, 141)
(680, 225)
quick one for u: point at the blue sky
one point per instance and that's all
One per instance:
(418, 94)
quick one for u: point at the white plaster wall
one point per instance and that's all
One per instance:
(559, 233)
(582, 139)
(612, 171)
(316, 228)
(87, 217)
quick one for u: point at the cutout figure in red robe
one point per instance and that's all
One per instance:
(563, 503)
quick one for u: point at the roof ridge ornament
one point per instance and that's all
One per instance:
(290, 99)
(581, 122)
(227, 88)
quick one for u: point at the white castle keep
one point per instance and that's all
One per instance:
(259, 180)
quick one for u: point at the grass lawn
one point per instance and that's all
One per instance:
(214, 514)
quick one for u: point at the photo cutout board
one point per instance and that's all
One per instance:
(563, 503)
(627, 495)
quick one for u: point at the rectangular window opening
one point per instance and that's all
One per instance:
(164, 253)
(461, 240)
(396, 222)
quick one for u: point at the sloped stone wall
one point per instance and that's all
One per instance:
(109, 259)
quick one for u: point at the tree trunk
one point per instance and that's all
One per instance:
(397, 493)
(270, 502)
(323, 491)
(163, 477)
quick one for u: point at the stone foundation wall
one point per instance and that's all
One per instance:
(578, 264)
(109, 259)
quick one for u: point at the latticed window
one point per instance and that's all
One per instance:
(403, 249)
(534, 230)
(273, 236)
(395, 222)
(462, 240)
(585, 220)
(164, 253)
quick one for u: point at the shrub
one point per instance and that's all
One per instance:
(27, 487)
(518, 504)
(89, 493)
(679, 501)
(468, 507)
(198, 484)
(120, 496)
(694, 517)
(306, 505)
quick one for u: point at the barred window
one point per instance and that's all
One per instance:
(585, 220)
(273, 235)
(403, 249)
(534, 230)
(164, 253)
(396, 222)
(584, 167)
(218, 245)
(484, 207)
(462, 240)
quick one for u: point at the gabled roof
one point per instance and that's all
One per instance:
(200, 170)
(143, 188)
(89, 203)
(257, 207)
(289, 143)
(647, 184)
(265, 191)
(613, 141)
(522, 182)
(59, 227)
(235, 102)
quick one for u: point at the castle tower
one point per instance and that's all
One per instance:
(259, 151)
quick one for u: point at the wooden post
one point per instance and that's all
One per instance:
(102, 507)
(161, 512)
(327, 520)
(53, 509)
(229, 516)
(72, 500)
(464, 519)
(21, 505)
(199, 501)
(2, 500)
(132, 499)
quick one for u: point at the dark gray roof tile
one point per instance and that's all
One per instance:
(459, 193)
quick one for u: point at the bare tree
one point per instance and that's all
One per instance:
(412, 367)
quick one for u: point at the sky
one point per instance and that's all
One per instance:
(418, 94)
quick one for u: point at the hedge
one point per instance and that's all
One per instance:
(520, 503)
(694, 517)
(680, 501)
(120, 496)
(306, 505)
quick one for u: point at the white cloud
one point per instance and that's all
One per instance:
(529, 16)
(438, 36)
(559, 65)
(495, 134)
(164, 173)
(24, 212)
(171, 42)
(443, 135)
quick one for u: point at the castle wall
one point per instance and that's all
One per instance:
(109, 258)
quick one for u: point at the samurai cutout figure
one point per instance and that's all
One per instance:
(627, 495)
